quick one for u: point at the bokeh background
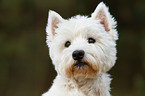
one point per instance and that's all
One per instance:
(25, 67)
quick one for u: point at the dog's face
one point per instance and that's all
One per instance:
(82, 46)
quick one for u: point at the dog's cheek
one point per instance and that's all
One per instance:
(61, 70)
(109, 60)
(69, 72)
(65, 64)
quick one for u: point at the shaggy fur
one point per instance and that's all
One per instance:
(100, 56)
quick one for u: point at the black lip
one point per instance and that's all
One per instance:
(80, 64)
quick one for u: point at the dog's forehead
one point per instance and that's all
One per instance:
(79, 25)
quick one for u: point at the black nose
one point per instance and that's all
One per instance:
(78, 55)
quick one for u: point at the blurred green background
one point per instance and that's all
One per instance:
(25, 67)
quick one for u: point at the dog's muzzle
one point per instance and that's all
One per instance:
(78, 56)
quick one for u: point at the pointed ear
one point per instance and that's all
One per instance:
(102, 13)
(53, 20)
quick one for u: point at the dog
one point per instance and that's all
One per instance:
(83, 50)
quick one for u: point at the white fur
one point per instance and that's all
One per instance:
(100, 55)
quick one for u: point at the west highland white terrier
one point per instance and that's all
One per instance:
(82, 50)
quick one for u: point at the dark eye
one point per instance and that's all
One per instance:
(67, 44)
(91, 40)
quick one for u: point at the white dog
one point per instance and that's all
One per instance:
(82, 50)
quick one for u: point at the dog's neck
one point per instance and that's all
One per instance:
(99, 86)
(85, 84)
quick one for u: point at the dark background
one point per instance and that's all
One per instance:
(25, 67)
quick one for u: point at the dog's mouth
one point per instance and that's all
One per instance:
(80, 64)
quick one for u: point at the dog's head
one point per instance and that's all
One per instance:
(82, 46)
